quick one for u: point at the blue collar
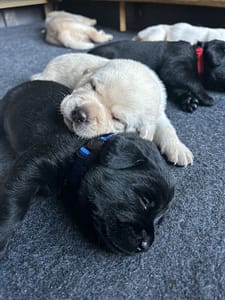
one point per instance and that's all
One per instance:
(83, 155)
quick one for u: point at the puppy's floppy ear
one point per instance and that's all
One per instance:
(93, 69)
(86, 75)
(215, 52)
(88, 71)
(120, 153)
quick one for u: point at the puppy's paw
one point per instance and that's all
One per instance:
(92, 22)
(207, 101)
(109, 37)
(177, 153)
(105, 37)
(189, 103)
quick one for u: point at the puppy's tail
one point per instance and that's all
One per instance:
(38, 76)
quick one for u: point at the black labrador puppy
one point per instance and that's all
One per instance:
(119, 182)
(176, 64)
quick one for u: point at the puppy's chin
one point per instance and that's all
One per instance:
(123, 238)
(87, 131)
(116, 247)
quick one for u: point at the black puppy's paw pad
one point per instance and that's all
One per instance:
(189, 104)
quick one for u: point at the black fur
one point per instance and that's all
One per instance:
(124, 184)
(176, 65)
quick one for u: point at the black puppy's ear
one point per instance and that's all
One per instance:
(215, 52)
(120, 153)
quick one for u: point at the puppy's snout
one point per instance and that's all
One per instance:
(79, 115)
(145, 243)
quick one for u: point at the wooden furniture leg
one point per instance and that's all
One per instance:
(48, 7)
(122, 11)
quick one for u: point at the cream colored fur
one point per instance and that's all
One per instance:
(68, 69)
(124, 95)
(180, 31)
(73, 31)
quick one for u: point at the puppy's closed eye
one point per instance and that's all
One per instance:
(119, 122)
(146, 204)
(140, 162)
(93, 85)
(116, 119)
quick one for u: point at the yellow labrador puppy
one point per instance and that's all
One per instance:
(124, 95)
(73, 31)
(114, 96)
(180, 31)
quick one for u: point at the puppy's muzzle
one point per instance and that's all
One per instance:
(79, 116)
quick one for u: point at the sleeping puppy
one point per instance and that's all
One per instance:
(124, 96)
(120, 182)
(180, 32)
(74, 17)
(176, 64)
(73, 31)
(132, 102)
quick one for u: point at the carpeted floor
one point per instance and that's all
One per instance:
(48, 257)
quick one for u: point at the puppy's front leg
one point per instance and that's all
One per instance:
(27, 175)
(191, 97)
(98, 36)
(169, 143)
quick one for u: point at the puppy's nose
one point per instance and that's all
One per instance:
(145, 243)
(79, 115)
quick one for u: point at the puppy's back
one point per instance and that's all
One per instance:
(32, 112)
(68, 69)
(71, 17)
(148, 53)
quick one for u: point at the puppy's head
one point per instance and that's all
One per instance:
(214, 61)
(124, 191)
(110, 99)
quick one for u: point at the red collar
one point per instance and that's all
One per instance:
(200, 61)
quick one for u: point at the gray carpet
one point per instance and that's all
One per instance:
(48, 257)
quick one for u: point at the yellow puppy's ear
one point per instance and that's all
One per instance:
(90, 70)
(85, 77)
(94, 68)
(87, 71)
